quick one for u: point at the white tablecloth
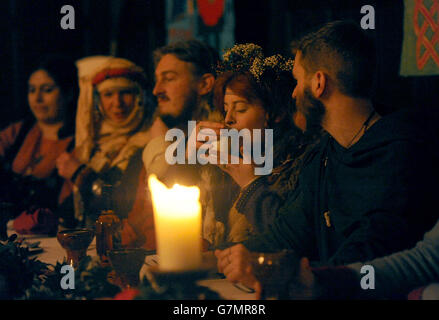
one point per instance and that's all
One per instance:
(52, 250)
(53, 253)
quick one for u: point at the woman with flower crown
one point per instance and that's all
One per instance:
(254, 92)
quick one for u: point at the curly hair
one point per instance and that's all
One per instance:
(273, 92)
(265, 80)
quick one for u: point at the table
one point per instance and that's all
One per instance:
(53, 253)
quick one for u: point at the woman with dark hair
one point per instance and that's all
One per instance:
(29, 148)
(254, 92)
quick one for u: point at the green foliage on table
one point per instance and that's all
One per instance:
(150, 290)
(91, 282)
(25, 277)
(18, 271)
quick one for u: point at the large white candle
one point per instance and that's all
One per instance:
(177, 215)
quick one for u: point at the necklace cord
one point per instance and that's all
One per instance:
(364, 126)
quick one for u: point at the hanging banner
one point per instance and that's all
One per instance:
(211, 21)
(210, 11)
(420, 50)
(180, 20)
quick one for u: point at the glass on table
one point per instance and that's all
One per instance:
(108, 235)
(275, 271)
(127, 264)
(76, 243)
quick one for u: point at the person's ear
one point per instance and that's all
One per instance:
(319, 83)
(205, 84)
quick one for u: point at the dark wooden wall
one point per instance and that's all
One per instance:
(275, 24)
(29, 29)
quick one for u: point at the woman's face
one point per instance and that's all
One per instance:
(240, 113)
(118, 103)
(45, 98)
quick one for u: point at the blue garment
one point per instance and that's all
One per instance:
(399, 273)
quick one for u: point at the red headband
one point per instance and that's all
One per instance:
(116, 73)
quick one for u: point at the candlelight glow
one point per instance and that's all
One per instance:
(177, 216)
(177, 202)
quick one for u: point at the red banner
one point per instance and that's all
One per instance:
(430, 25)
(210, 11)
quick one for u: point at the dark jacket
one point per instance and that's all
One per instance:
(359, 203)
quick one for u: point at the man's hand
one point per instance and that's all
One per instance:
(236, 264)
(67, 165)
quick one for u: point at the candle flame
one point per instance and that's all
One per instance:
(178, 201)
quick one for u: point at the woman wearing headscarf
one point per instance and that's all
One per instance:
(112, 123)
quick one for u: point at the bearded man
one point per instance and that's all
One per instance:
(366, 189)
(184, 79)
(185, 75)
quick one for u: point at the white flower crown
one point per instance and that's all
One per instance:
(249, 57)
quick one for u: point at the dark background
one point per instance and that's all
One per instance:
(30, 29)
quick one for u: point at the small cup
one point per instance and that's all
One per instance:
(75, 242)
(127, 264)
(275, 271)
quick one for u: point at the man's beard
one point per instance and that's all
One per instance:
(190, 105)
(313, 110)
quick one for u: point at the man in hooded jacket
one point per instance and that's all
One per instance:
(366, 190)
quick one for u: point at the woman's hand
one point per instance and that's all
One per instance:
(215, 126)
(67, 164)
(241, 173)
